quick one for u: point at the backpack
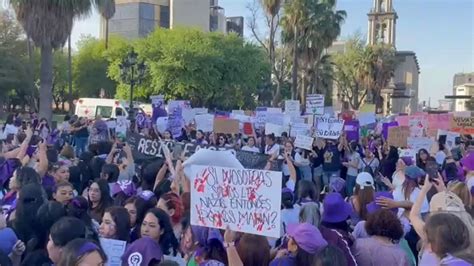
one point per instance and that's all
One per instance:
(367, 167)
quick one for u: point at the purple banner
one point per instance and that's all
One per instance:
(352, 130)
(158, 104)
(385, 127)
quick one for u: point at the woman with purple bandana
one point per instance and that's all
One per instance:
(304, 242)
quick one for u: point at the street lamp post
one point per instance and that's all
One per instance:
(132, 72)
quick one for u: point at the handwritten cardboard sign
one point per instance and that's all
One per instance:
(245, 200)
(463, 125)
(329, 128)
(226, 126)
(397, 136)
(420, 143)
(315, 104)
(304, 142)
(292, 107)
(114, 250)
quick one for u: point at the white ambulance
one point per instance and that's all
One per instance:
(106, 108)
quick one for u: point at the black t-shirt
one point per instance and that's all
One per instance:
(82, 133)
(332, 158)
(319, 159)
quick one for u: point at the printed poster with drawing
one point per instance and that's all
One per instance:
(246, 200)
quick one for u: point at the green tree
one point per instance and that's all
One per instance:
(90, 66)
(14, 70)
(60, 78)
(48, 23)
(310, 27)
(363, 71)
(205, 68)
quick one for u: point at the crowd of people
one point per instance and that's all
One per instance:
(343, 202)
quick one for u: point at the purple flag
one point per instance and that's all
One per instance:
(385, 127)
(352, 130)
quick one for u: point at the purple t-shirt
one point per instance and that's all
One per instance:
(284, 261)
(370, 251)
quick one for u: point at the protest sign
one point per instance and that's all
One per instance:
(417, 144)
(158, 104)
(188, 115)
(238, 112)
(200, 111)
(441, 132)
(352, 130)
(463, 125)
(417, 127)
(329, 128)
(226, 126)
(242, 199)
(451, 139)
(114, 250)
(407, 153)
(275, 118)
(248, 129)
(315, 104)
(366, 118)
(162, 124)
(140, 120)
(274, 110)
(397, 136)
(252, 160)
(204, 122)
(122, 125)
(273, 129)
(260, 117)
(175, 117)
(300, 129)
(304, 142)
(439, 121)
(402, 120)
(292, 108)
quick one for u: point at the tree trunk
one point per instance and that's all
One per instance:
(46, 82)
(276, 96)
(69, 76)
(106, 34)
(295, 67)
(303, 90)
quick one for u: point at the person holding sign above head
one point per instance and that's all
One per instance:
(332, 159)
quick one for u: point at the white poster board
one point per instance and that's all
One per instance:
(366, 119)
(315, 104)
(300, 129)
(304, 142)
(417, 144)
(329, 128)
(245, 200)
(122, 125)
(272, 128)
(417, 127)
(204, 122)
(114, 250)
(451, 139)
(292, 108)
(408, 153)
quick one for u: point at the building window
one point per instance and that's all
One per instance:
(165, 17)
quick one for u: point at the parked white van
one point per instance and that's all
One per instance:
(106, 108)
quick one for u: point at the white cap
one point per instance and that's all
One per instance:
(365, 179)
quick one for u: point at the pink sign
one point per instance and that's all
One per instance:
(439, 121)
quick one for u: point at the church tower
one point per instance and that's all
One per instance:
(382, 23)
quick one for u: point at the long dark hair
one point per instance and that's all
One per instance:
(30, 200)
(122, 222)
(167, 239)
(78, 208)
(105, 198)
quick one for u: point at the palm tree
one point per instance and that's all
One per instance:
(48, 23)
(272, 10)
(106, 9)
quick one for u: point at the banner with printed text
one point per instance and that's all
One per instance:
(315, 104)
(245, 200)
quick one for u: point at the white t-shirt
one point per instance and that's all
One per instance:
(300, 160)
(398, 196)
(289, 216)
(251, 149)
(353, 171)
(9, 129)
(274, 150)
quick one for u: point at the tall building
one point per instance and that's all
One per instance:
(137, 18)
(463, 85)
(402, 94)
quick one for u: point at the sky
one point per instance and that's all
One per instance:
(440, 32)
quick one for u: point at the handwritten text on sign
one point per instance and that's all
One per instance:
(329, 128)
(245, 200)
